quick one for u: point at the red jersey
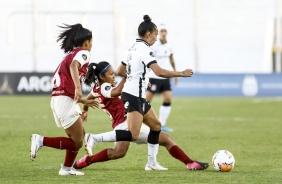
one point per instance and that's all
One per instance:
(63, 84)
(112, 106)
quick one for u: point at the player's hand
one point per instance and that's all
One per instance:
(77, 94)
(149, 84)
(187, 73)
(84, 116)
(91, 103)
(176, 79)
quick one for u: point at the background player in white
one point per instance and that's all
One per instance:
(164, 55)
(77, 43)
(108, 96)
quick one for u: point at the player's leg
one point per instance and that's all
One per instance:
(149, 96)
(151, 120)
(117, 152)
(134, 106)
(175, 151)
(66, 114)
(165, 109)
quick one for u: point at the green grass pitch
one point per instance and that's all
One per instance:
(250, 128)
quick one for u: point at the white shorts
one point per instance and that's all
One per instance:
(65, 110)
(143, 135)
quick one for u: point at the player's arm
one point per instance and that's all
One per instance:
(81, 58)
(89, 97)
(118, 89)
(121, 71)
(167, 73)
(89, 101)
(74, 66)
(171, 59)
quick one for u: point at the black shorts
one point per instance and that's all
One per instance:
(159, 85)
(133, 103)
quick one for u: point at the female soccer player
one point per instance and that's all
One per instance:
(66, 94)
(164, 55)
(108, 96)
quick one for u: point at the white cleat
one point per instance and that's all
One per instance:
(90, 143)
(35, 145)
(156, 166)
(64, 171)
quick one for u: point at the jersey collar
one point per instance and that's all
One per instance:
(140, 40)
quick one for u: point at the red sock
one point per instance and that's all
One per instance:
(70, 157)
(59, 143)
(102, 156)
(179, 154)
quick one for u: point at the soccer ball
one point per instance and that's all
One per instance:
(223, 161)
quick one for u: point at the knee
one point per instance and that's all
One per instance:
(78, 144)
(166, 140)
(156, 126)
(121, 153)
(134, 136)
(117, 153)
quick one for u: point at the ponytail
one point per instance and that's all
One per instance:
(146, 25)
(73, 36)
(94, 71)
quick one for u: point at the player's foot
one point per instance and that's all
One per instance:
(36, 144)
(156, 166)
(81, 163)
(166, 129)
(90, 143)
(64, 171)
(196, 165)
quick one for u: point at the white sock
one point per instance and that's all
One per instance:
(41, 140)
(164, 113)
(152, 153)
(105, 137)
(66, 168)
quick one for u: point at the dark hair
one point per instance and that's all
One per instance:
(146, 25)
(94, 71)
(73, 36)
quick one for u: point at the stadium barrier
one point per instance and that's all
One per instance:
(249, 85)
(28, 84)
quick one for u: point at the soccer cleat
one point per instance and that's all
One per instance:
(196, 165)
(156, 166)
(64, 171)
(166, 129)
(81, 163)
(90, 143)
(35, 145)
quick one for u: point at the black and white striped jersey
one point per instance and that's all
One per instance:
(137, 60)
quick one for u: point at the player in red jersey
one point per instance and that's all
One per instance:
(110, 102)
(66, 94)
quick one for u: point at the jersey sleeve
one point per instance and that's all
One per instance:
(106, 90)
(82, 57)
(148, 56)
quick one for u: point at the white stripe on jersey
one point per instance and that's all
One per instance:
(82, 57)
(138, 60)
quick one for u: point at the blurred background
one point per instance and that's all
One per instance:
(233, 46)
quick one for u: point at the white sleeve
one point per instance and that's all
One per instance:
(82, 57)
(106, 90)
(148, 56)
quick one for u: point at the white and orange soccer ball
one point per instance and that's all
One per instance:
(223, 161)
